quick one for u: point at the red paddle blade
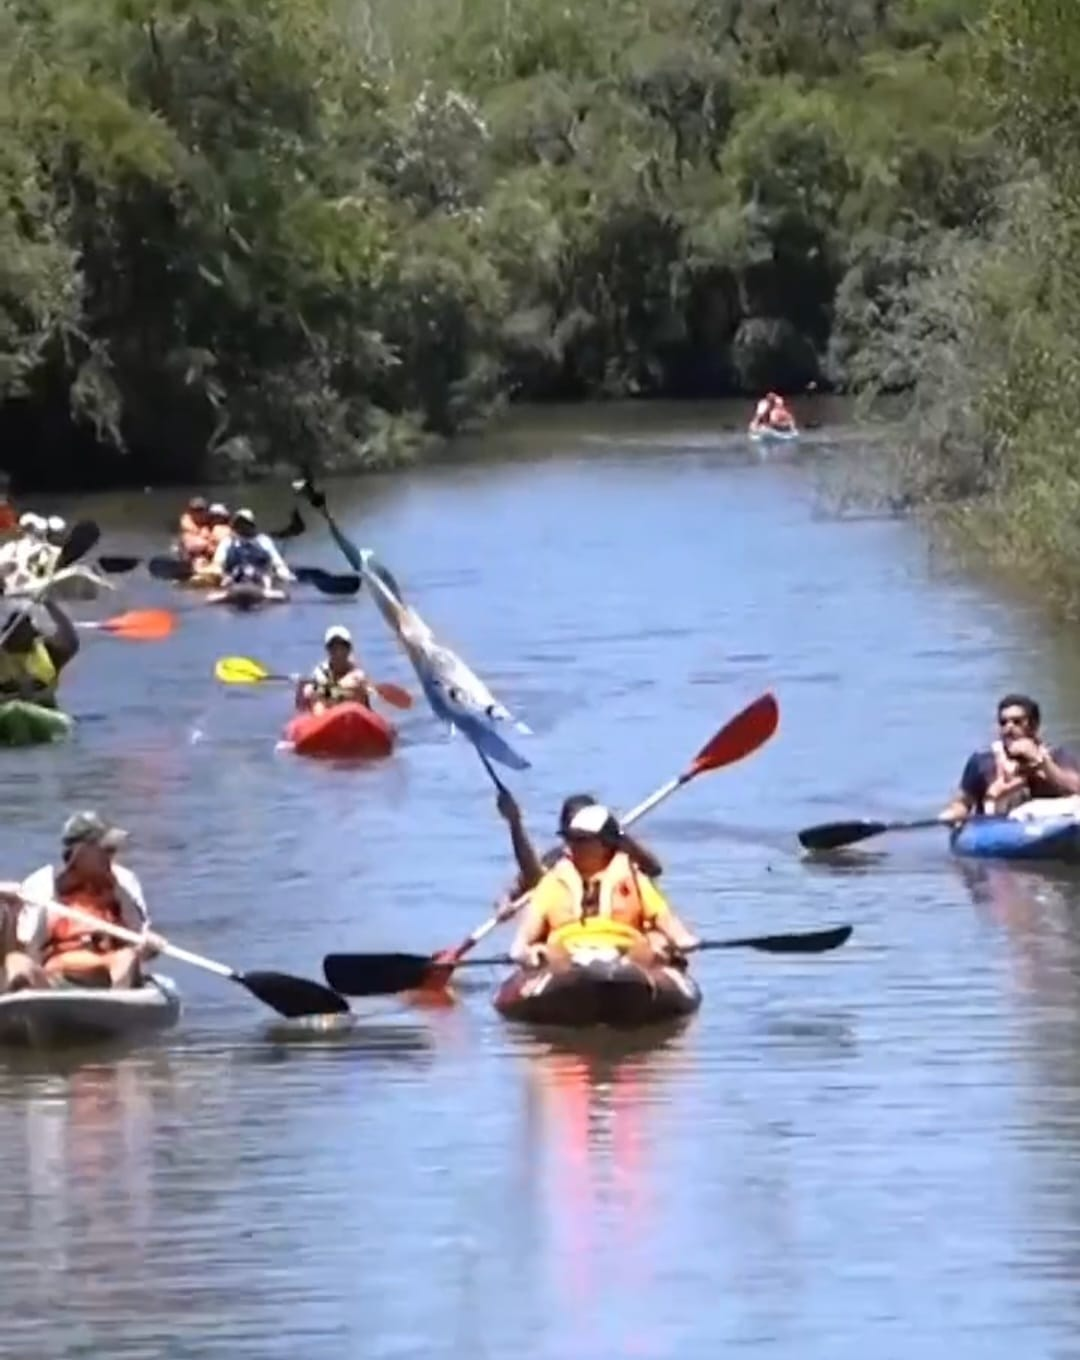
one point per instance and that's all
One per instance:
(141, 625)
(394, 694)
(8, 518)
(740, 737)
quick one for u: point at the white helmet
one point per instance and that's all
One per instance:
(337, 633)
(56, 524)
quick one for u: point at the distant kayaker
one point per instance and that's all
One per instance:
(337, 680)
(595, 896)
(248, 556)
(50, 947)
(1016, 768)
(30, 662)
(771, 413)
(531, 866)
(196, 539)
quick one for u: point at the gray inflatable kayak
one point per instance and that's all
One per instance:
(56, 1017)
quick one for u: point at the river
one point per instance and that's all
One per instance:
(874, 1152)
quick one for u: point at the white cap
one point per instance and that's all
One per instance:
(32, 523)
(57, 524)
(594, 820)
(245, 513)
(337, 633)
(218, 509)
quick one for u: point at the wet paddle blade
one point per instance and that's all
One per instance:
(240, 670)
(835, 835)
(291, 996)
(739, 738)
(293, 529)
(170, 569)
(82, 536)
(117, 566)
(394, 695)
(378, 974)
(328, 582)
(139, 625)
(808, 942)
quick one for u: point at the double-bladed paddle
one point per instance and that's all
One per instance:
(243, 670)
(837, 835)
(117, 565)
(290, 996)
(81, 538)
(740, 737)
(387, 974)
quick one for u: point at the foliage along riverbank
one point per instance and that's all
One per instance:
(238, 234)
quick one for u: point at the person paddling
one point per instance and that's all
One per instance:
(196, 540)
(595, 896)
(31, 662)
(249, 556)
(50, 948)
(337, 680)
(1016, 769)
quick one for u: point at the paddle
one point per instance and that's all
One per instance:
(386, 974)
(290, 996)
(81, 538)
(740, 737)
(326, 582)
(242, 670)
(836, 835)
(137, 625)
(306, 487)
(117, 566)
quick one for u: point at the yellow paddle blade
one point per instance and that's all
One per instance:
(240, 670)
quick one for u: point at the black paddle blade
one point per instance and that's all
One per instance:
(306, 487)
(170, 569)
(808, 942)
(293, 529)
(328, 582)
(835, 835)
(117, 566)
(377, 974)
(82, 536)
(293, 997)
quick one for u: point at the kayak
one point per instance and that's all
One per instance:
(56, 1016)
(1048, 837)
(247, 595)
(25, 724)
(600, 987)
(344, 731)
(774, 436)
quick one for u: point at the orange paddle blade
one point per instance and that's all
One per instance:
(141, 625)
(394, 694)
(738, 738)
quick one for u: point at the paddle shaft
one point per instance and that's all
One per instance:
(122, 933)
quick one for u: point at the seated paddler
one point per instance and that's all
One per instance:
(594, 896)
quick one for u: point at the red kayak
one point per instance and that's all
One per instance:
(346, 730)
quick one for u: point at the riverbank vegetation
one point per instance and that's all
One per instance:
(236, 235)
(988, 324)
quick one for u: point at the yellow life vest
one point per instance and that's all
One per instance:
(613, 909)
(36, 664)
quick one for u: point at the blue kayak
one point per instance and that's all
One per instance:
(1048, 838)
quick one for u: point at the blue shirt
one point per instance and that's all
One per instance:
(981, 770)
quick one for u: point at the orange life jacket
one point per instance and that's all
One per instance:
(66, 935)
(610, 904)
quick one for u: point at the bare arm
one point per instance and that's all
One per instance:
(957, 809)
(1062, 777)
(528, 861)
(530, 932)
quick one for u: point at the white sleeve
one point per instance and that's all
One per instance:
(276, 558)
(133, 909)
(219, 554)
(32, 924)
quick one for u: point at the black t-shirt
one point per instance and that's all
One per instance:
(981, 770)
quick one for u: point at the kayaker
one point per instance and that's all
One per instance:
(780, 418)
(196, 539)
(1016, 768)
(248, 555)
(760, 421)
(28, 557)
(50, 947)
(337, 680)
(531, 866)
(30, 662)
(594, 895)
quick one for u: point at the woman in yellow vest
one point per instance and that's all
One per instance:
(595, 895)
(30, 663)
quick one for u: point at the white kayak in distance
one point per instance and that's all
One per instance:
(769, 436)
(55, 1017)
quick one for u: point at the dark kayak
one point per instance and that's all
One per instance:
(600, 991)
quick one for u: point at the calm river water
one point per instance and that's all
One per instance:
(872, 1153)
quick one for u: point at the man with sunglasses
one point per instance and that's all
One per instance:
(1016, 768)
